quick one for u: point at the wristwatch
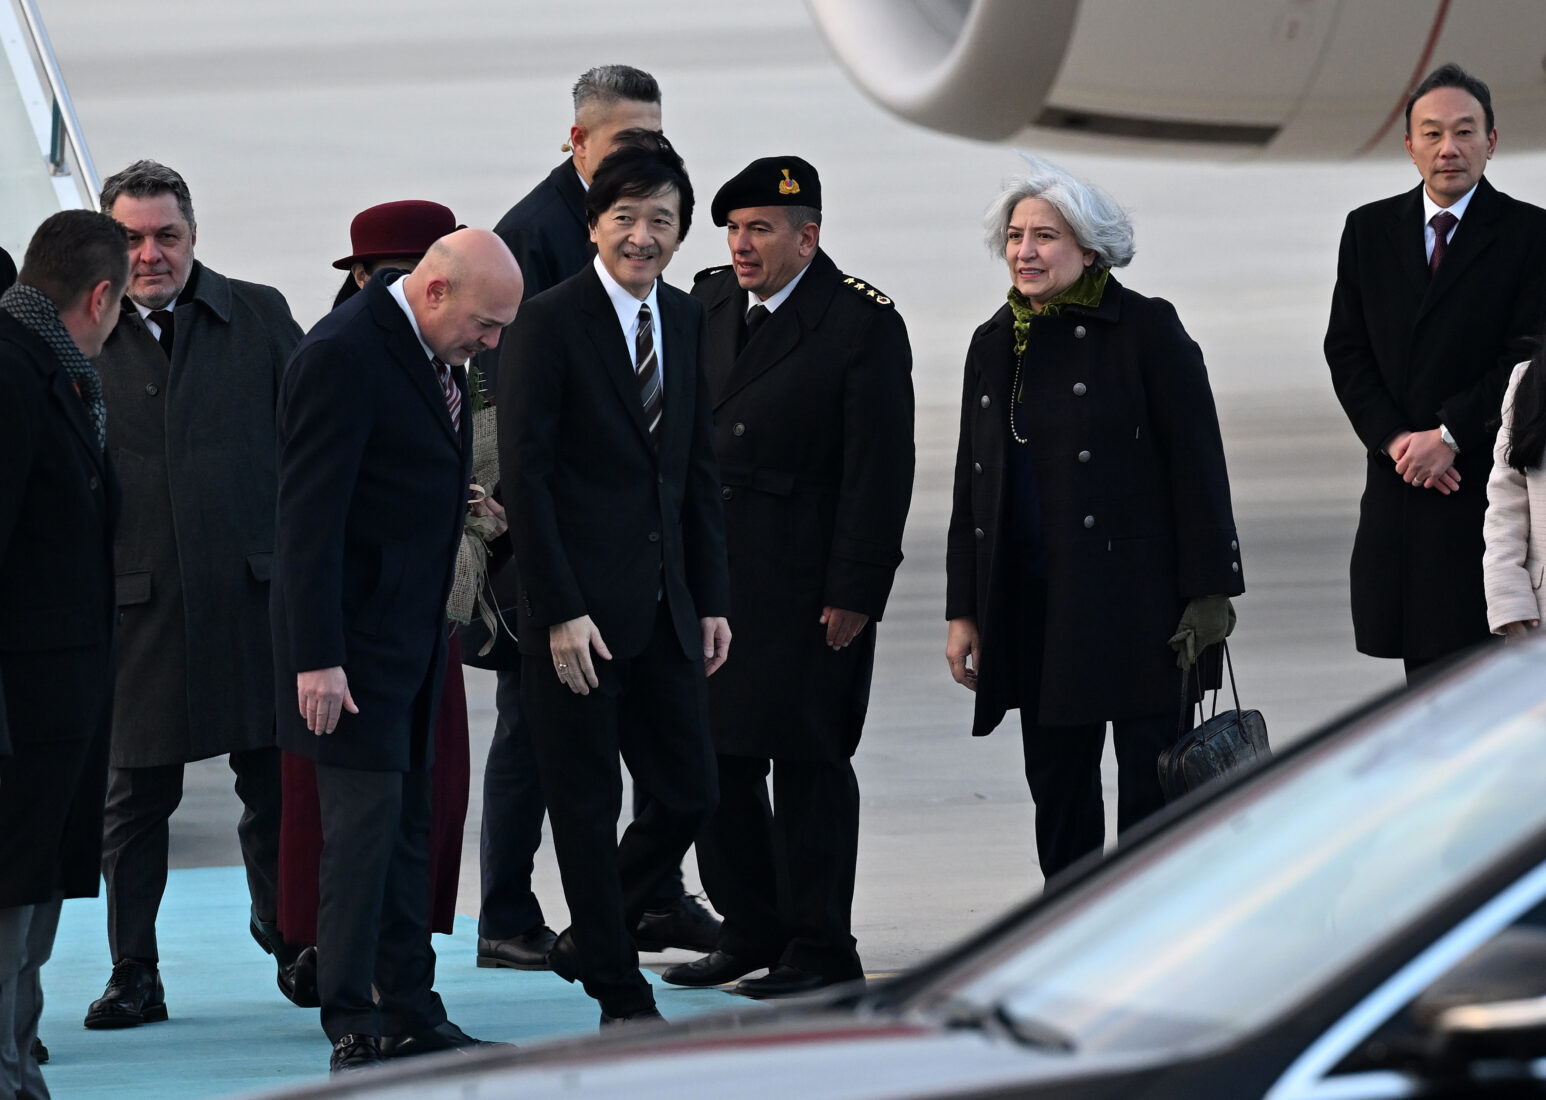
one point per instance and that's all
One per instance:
(1449, 440)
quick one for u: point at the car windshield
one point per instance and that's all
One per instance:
(1244, 908)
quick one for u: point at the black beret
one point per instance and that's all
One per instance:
(768, 181)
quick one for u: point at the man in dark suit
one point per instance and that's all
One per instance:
(607, 466)
(550, 238)
(1440, 291)
(810, 374)
(374, 461)
(190, 375)
(58, 501)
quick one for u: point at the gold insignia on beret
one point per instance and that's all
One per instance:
(787, 186)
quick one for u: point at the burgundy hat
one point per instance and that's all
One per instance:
(393, 229)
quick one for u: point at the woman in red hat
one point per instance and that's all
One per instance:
(393, 235)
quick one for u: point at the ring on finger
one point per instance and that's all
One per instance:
(563, 667)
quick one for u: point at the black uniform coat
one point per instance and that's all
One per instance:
(57, 504)
(603, 523)
(193, 442)
(1410, 352)
(372, 501)
(813, 430)
(1135, 505)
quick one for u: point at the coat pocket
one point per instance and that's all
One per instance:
(133, 588)
(261, 566)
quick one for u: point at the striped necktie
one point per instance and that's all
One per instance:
(648, 371)
(450, 391)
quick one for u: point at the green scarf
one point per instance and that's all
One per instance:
(1086, 291)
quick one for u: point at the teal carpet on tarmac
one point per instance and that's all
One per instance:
(230, 1029)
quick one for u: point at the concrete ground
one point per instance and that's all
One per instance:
(290, 116)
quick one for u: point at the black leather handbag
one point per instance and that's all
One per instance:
(1217, 746)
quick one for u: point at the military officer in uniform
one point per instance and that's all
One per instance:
(810, 377)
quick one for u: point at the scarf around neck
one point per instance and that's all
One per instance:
(37, 312)
(1085, 291)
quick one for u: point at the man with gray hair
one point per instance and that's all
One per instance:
(57, 506)
(549, 236)
(191, 374)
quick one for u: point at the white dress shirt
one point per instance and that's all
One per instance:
(772, 302)
(627, 307)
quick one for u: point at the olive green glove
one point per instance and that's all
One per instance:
(1206, 621)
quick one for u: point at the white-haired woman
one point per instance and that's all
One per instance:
(1092, 546)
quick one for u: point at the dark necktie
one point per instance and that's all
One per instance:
(751, 323)
(450, 390)
(163, 319)
(1442, 223)
(648, 371)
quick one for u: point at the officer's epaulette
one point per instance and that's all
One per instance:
(706, 272)
(867, 292)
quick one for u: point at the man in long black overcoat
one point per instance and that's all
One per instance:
(58, 504)
(190, 375)
(810, 372)
(375, 453)
(1425, 328)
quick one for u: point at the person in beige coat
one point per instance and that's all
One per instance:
(1514, 563)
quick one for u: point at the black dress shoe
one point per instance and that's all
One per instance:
(564, 957)
(443, 1036)
(133, 996)
(354, 1052)
(643, 1015)
(686, 925)
(528, 951)
(297, 975)
(787, 981)
(715, 968)
(298, 981)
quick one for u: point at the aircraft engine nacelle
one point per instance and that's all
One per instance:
(1234, 79)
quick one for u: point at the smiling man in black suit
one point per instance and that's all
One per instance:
(607, 467)
(1440, 292)
(374, 462)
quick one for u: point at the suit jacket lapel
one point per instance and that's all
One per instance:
(75, 414)
(1473, 235)
(409, 356)
(681, 377)
(606, 335)
(1405, 232)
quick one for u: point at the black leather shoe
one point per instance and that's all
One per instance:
(686, 925)
(354, 1052)
(528, 951)
(297, 974)
(39, 1051)
(643, 1015)
(715, 968)
(444, 1036)
(564, 957)
(133, 996)
(788, 981)
(298, 981)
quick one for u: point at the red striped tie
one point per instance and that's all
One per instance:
(451, 390)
